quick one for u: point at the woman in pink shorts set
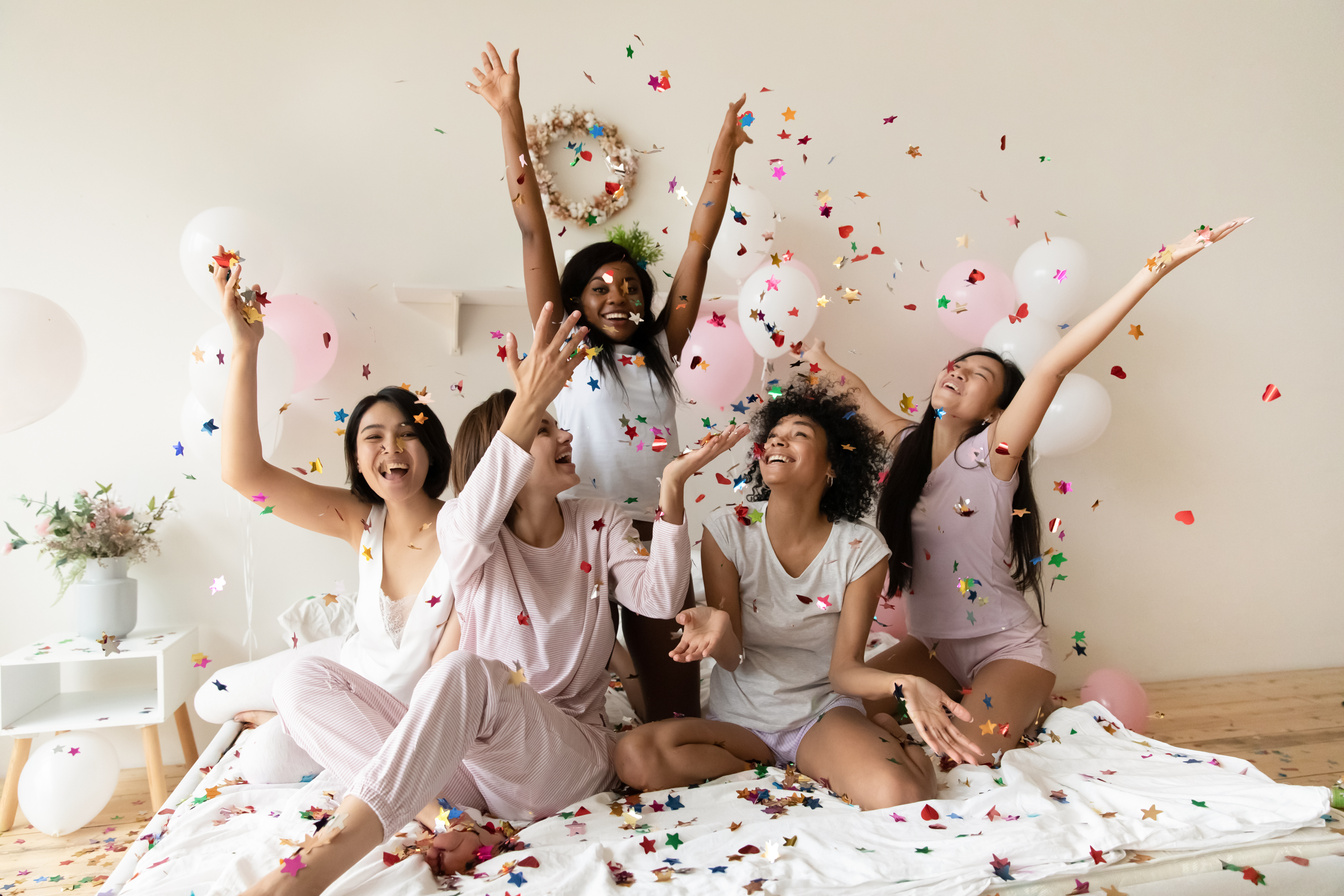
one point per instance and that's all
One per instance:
(950, 511)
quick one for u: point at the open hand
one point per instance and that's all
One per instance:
(702, 630)
(1192, 243)
(681, 468)
(731, 121)
(497, 84)
(548, 366)
(816, 354)
(925, 702)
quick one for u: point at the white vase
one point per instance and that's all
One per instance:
(105, 599)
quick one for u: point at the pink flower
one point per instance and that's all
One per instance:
(8, 547)
(43, 527)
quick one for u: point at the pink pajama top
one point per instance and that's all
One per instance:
(961, 584)
(545, 610)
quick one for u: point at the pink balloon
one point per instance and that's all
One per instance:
(310, 333)
(718, 341)
(986, 301)
(890, 615)
(1119, 692)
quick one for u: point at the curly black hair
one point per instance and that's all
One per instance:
(854, 448)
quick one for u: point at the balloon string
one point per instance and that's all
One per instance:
(249, 637)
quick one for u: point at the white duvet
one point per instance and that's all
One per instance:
(1090, 793)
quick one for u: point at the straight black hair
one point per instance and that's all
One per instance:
(910, 469)
(431, 435)
(580, 269)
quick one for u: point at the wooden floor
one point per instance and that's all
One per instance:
(1290, 724)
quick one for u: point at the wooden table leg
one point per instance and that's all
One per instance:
(185, 735)
(158, 786)
(9, 803)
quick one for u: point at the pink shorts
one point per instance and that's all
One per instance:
(784, 744)
(965, 657)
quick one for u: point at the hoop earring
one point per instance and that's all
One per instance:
(830, 479)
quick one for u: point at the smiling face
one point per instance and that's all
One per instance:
(553, 458)
(969, 389)
(391, 457)
(795, 454)
(612, 298)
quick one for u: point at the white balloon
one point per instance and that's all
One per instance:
(1024, 342)
(275, 370)
(238, 231)
(1037, 276)
(748, 218)
(201, 446)
(1076, 417)
(41, 357)
(67, 782)
(777, 307)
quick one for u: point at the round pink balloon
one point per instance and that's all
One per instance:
(718, 341)
(1119, 692)
(310, 333)
(986, 301)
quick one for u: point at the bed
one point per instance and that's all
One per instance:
(1093, 806)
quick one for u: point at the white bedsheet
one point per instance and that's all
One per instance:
(1100, 793)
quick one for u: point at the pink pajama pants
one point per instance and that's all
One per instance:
(468, 736)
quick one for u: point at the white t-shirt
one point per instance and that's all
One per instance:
(622, 438)
(788, 624)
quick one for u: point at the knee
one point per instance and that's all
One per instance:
(305, 679)
(887, 790)
(638, 759)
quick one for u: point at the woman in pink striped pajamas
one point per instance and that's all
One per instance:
(511, 722)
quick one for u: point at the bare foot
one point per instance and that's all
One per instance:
(453, 852)
(254, 718)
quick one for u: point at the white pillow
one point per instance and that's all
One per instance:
(317, 617)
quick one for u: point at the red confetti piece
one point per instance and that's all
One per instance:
(326, 340)
(1186, 516)
(975, 277)
(531, 861)
(802, 598)
(845, 231)
(749, 850)
(1271, 392)
(910, 307)
(524, 619)
(722, 479)
(1118, 372)
(1055, 525)
(857, 258)
(928, 813)
(699, 499)
(612, 188)
(1019, 315)
(1002, 448)
(586, 156)
(741, 249)
(390, 859)
(581, 811)
(585, 566)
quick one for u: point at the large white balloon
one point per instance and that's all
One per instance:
(200, 438)
(1051, 277)
(746, 222)
(1024, 343)
(41, 357)
(67, 782)
(238, 231)
(209, 376)
(1076, 417)
(777, 307)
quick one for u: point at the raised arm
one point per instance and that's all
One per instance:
(328, 511)
(1018, 423)
(499, 87)
(880, 417)
(688, 284)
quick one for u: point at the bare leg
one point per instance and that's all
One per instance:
(623, 667)
(354, 831)
(864, 762)
(680, 752)
(1015, 692)
(667, 688)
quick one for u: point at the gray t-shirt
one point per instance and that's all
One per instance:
(788, 624)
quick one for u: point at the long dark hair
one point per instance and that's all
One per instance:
(431, 434)
(578, 272)
(910, 469)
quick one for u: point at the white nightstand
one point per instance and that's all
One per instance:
(32, 702)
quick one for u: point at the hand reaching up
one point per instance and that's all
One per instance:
(243, 319)
(702, 629)
(498, 85)
(1172, 255)
(543, 372)
(681, 468)
(731, 122)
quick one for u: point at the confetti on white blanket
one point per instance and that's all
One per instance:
(1091, 792)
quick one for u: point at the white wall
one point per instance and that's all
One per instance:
(119, 122)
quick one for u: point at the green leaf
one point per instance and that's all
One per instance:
(151, 503)
(102, 489)
(12, 531)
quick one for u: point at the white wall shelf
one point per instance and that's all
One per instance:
(443, 303)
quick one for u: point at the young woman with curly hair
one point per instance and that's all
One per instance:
(792, 581)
